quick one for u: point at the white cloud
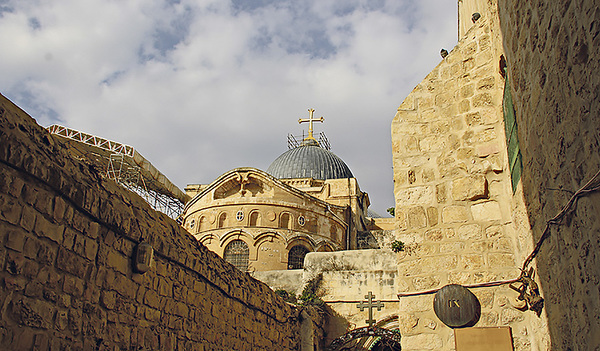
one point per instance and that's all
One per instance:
(200, 87)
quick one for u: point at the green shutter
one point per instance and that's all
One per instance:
(515, 164)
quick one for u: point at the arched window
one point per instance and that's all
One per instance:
(284, 221)
(202, 224)
(253, 222)
(237, 253)
(296, 257)
(222, 220)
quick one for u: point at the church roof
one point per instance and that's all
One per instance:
(309, 160)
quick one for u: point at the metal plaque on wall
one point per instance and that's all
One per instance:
(456, 306)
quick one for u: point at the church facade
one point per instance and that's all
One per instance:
(307, 201)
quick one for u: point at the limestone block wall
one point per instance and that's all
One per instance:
(553, 55)
(67, 236)
(454, 202)
(346, 277)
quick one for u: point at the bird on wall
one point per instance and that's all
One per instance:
(444, 53)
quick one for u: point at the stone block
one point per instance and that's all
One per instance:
(424, 102)
(473, 118)
(428, 175)
(43, 202)
(15, 239)
(480, 246)
(16, 186)
(440, 193)
(469, 232)
(501, 260)
(434, 235)
(510, 315)
(469, 188)
(27, 221)
(46, 229)
(454, 214)
(75, 321)
(494, 231)
(59, 208)
(407, 322)
(118, 261)
(10, 210)
(432, 143)
(422, 342)
(487, 149)
(486, 83)
(90, 249)
(418, 195)
(486, 211)
(425, 282)
(416, 217)
(32, 313)
(482, 99)
(33, 289)
(464, 106)
(451, 247)
(432, 216)
(471, 261)
(73, 286)
(466, 91)
(441, 263)
(31, 248)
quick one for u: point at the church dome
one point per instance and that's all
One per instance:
(309, 161)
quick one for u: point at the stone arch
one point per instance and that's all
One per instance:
(296, 256)
(302, 240)
(325, 247)
(368, 338)
(254, 219)
(203, 224)
(269, 251)
(222, 220)
(285, 220)
(208, 238)
(235, 234)
(237, 253)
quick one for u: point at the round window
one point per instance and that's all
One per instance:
(239, 215)
(192, 224)
(301, 220)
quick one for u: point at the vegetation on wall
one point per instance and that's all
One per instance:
(309, 293)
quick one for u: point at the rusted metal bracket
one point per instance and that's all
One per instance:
(529, 291)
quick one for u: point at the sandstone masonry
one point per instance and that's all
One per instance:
(67, 236)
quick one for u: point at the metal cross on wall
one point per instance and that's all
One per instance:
(310, 121)
(370, 304)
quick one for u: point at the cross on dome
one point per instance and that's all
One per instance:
(310, 121)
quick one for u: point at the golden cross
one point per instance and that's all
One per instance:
(310, 121)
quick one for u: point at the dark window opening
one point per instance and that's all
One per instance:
(296, 257)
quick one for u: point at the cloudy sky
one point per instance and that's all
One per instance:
(200, 87)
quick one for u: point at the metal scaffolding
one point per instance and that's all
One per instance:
(123, 164)
(293, 141)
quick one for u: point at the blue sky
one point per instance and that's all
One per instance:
(201, 87)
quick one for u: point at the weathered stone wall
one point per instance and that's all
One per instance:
(67, 236)
(454, 202)
(345, 278)
(553, 54)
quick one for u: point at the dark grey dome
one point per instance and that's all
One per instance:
(309, 161)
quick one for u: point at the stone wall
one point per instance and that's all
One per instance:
(345, 277)
(553, 62)
(67, 236)
(455, 207)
